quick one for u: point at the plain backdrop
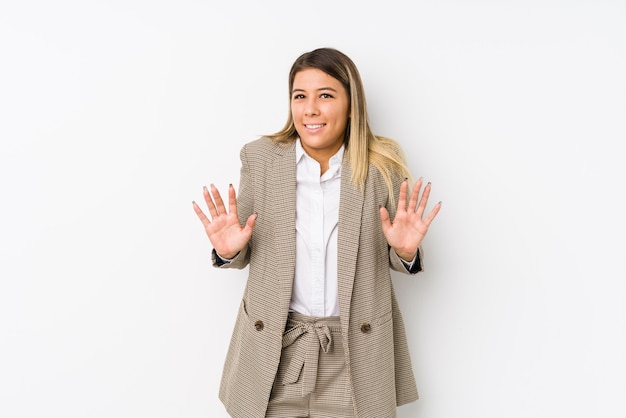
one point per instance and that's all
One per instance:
(114, 114)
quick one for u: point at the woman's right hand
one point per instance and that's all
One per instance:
(223, 229)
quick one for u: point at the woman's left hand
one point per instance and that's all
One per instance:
(408, 229)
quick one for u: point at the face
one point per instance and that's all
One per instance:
(320, 110)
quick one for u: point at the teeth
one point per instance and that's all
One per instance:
(314, 126)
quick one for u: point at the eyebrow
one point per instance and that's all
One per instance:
(320, 89)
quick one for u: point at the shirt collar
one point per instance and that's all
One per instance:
(335, 159)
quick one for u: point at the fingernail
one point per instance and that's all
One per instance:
(406, 179)
(230, 185)
(204, 188)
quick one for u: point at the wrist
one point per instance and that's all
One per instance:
(406, 255)
(227, 256)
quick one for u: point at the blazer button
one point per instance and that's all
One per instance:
(365, 328)
(258, 325)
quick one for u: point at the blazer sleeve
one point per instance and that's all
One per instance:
(240, 261)
(245, 205)
(396, 263)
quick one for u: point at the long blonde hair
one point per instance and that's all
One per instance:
(362, 146)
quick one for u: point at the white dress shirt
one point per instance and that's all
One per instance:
(315, 290)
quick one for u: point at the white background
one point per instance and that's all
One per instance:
(114, 114)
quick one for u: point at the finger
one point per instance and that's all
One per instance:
(232, 200)
(203, 218)
(219, 203)
(209, 201)
(415, 194)
(384, 219)
(251, 222)
(432, 214)
(402, 197)
(424, 200)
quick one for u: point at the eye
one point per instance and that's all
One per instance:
(326, 96)
(298, 96)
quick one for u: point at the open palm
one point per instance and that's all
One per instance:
(225, 232)
(409, 227)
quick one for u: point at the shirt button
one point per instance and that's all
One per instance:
(258, 325)
(365, 328)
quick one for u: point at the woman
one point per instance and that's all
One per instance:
(317, 220)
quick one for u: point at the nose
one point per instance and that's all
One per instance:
(311, 108)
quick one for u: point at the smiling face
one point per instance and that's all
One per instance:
(320, 108)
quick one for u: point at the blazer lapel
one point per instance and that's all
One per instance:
(348, 234)
(283, 194)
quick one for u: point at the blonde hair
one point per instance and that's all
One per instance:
(362, 146)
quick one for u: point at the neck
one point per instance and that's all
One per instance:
(322, 157)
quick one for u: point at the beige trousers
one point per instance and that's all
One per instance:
(312, 378)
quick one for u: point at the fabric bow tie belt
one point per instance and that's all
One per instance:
(307, 350)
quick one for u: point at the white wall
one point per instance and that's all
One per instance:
(114, 114)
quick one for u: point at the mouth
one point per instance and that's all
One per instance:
(314, 126)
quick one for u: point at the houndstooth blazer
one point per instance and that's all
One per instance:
(376, 350)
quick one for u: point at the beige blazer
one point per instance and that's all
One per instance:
(376, 351)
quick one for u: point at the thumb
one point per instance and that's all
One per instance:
(251, 221)
(384, 219)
